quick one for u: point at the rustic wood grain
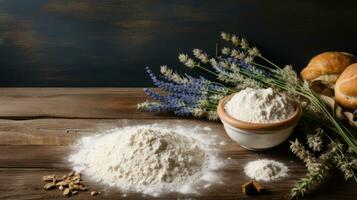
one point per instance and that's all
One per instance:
(20, 183)
(97, 103)
(33, 145)
(66, 131)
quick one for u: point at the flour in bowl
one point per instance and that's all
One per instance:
(151, 159)
(260, 106)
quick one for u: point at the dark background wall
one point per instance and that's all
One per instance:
(108, 43)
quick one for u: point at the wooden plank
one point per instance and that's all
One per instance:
(27, 184)
(19, 183)
(20, 160)
(66, 131)
(35, 147)
(32, 148)
(97, 103)
(27, 139)
(54, 156)
(27, 152)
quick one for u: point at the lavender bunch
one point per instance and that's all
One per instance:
(199, 97)
(185, 95)
(240, 66)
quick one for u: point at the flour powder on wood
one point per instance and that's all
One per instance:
(149, 159)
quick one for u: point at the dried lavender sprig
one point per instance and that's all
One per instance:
(177, 100)
(188, 97)
(171, 75)
(229, 73)
(345, 166)
(202, 56)
(152, 106)
(324, 163)
(309, 159)
(315, 142)
(235, 40)
(345, 161)
(306, 183)
(194, 85)
(314, 175)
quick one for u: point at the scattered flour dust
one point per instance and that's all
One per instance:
(265, 170)
(263, 106)
(151, 159)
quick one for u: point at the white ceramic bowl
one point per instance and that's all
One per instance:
(257, 136)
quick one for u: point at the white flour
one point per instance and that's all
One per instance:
(259, 106)
(265, 170)
(149, 159)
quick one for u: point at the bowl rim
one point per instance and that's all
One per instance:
(225, 117)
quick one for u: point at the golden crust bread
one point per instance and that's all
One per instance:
(346, 88)
(327, 66)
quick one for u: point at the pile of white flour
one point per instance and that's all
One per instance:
(259, 106)
(265, 170)
(149, 159)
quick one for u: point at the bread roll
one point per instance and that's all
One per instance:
(346, 88)
(327, 67)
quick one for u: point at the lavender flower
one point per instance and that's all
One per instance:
(226, 51)
(183, 57)
(244, 43)
(193, 86)
(202, 56)
(226, 36)
(235, 40)
(249, 67)
(188, 97)
(189, 62)
(170, 75)
(253, 52)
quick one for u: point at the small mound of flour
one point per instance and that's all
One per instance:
(259, 106)
(265, 170)
(148, 159)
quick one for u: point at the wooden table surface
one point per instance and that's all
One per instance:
(38, 126)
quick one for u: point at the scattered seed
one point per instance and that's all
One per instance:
(49, 186)
(67, 193)
(71, 184)
(62, 183)
(49, 178)
(75, 178)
